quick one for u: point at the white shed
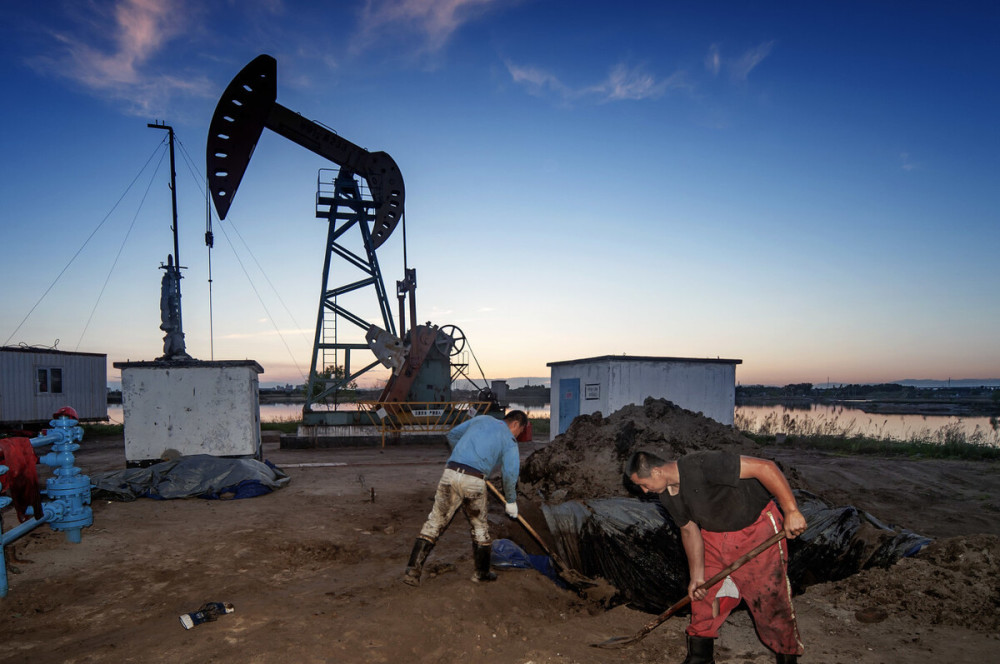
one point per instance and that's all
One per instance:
(36, 382)
(187, 407)
(608, 383)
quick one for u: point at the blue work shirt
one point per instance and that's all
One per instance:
(482, 443)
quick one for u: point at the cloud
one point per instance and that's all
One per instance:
(739, 68)
(713, 61)
(622, 83)
(263, 334)
(906, 162)
(109, 53)
(536, 80)
(434, 20)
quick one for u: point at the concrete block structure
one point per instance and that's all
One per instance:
(177, 409)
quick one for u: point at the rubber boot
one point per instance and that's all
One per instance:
(786, 659)
(700, 650)
(421, 547)
(481, 557)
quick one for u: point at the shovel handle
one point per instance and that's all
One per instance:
(658, 620)
(524, 523)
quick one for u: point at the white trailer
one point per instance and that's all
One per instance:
(36, 382)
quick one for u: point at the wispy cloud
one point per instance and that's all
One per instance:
(622, 83)
(713, 61)
(110, 50)
(907, 163)
(263, 334)
(739, 67)
(433, 20)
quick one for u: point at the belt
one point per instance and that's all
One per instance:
(462, 468)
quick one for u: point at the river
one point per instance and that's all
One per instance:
(810, 418)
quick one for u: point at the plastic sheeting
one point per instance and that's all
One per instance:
(505, 554)
(199, 475)
(841, 541)
(636, 547)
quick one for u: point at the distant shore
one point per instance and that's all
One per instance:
(941, 406)
(959, 407)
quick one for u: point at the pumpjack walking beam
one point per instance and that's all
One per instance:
(249, 104)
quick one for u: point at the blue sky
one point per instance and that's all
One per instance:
(810, 188)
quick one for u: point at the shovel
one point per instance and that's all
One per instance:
(620, 641)
(574, 578)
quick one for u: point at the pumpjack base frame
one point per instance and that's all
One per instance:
(297, 442)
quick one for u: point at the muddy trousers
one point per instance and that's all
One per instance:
(457, 490)
(762, 583)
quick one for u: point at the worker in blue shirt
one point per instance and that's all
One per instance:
(478, 446)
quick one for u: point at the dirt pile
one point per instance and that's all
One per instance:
(586, 461)
(951, 582)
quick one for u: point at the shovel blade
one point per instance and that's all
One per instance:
(616, 642)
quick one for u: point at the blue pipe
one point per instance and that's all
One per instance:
(68, 509)
(15, 533)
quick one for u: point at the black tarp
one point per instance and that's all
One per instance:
(636, 547)
(199, 475)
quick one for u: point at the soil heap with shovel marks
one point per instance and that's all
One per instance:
(951, 582)
(586, 461)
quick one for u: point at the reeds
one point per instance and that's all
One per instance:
(951, 441)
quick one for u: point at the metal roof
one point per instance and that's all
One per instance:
(644, 358)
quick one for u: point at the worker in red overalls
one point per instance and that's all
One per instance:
(725, 505)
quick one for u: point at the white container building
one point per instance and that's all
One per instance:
(36, 382)
(175, 409)
(608, 383)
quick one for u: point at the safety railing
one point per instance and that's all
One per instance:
(419, 417)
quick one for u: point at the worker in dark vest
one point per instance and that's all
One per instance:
(478, 446)
(725, 505)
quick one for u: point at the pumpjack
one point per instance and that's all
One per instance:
(425, 359)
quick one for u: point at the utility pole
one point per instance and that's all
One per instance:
(170, 286)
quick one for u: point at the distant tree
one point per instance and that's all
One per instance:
(334, 373)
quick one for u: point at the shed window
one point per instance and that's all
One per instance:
(50, 381)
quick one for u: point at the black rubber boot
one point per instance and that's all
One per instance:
(700, 650)
(421, 547)
(786, 659)
(481, 556)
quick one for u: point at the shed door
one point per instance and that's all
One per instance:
(569, 402)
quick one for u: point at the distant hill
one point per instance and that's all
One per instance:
(960, 382)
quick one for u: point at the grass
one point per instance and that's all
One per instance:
(290, 425)
(951, 441)
(539, 425)
(93, 429)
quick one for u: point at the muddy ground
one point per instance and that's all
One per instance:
(314, 570)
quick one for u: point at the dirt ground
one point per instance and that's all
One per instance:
(314, 571)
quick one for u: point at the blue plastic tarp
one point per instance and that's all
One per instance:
(507, 555)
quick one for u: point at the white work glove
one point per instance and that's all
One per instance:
(511, 510)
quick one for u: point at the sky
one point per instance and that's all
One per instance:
(810, 188)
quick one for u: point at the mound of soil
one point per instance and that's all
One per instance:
(951, 582)
(586, 461)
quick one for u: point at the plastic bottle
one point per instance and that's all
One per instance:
(207, 613)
